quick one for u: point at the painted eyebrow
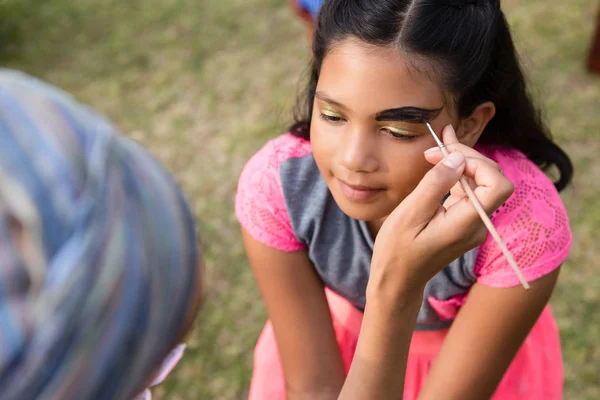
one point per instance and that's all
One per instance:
(408, 114)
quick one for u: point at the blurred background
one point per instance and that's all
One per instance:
(205, 83)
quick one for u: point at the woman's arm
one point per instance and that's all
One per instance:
(484, 339)
(379, 364)
(298, 309)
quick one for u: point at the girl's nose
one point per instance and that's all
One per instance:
(356, 152)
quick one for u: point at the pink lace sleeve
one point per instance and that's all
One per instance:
(259, 205)
(533, 223)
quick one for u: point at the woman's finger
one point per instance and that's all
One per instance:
(456, 194)
(461, 219)
(449, 135)
(492, 187)
(419, 207)
(434, 154)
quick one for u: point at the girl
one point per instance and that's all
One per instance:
(100, 276)
(312, 202)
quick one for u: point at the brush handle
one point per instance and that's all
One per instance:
(488, 223)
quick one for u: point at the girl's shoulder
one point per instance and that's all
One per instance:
(281, 149)
(260, 204)
(516, 166)
(533, 223)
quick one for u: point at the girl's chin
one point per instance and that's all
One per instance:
(364, 212)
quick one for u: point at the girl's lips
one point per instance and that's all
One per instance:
(359, 193)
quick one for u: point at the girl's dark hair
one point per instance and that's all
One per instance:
(468, 48)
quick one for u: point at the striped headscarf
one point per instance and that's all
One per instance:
(98, 262)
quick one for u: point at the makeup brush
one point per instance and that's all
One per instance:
(482, 214)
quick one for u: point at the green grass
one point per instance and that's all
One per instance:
(204, 84)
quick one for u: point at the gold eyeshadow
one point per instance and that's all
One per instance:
(400, 131)
(331, 112)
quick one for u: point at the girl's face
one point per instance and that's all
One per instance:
(369, 155)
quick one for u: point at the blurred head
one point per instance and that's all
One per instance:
(382, 66)
(98, 258)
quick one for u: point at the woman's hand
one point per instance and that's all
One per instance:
(421, 236)
(415, 242)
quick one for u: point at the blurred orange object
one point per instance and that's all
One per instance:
(305, 16)
(594, 58)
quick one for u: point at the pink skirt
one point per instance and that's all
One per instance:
(536, 373)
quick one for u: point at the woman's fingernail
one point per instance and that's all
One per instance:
(432, 150)
(454, 160)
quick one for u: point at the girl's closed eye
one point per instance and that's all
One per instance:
(331, 115)
(397, 133)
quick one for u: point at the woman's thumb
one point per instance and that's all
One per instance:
(424, 201)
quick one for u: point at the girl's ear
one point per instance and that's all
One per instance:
(470, 128)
